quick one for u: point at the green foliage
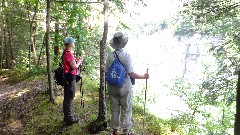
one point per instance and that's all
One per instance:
(215, 17)
(74, 19)
(120, 5)
(217, 92)
(90, 84)
(78, 26)
(185, 27)
(211, 10)
(17, 75)
(14, 75)
(210, 109)
(38, 71)
(154, 125)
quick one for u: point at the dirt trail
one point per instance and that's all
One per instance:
(15, 104)
(12, 98)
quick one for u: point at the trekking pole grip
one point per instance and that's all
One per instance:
(146, 79)
(146, 88)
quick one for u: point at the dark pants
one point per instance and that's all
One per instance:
(69, 94)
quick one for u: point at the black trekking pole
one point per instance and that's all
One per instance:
(81, 90)
(144, 107)
(83, 117)
(81, 94)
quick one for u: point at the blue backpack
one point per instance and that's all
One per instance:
(116, 73)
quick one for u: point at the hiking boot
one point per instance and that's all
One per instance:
(115, 133)
(72, 121)
(129, 134)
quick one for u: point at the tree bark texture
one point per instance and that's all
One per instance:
(102, 90)
(32, 29)
(7, 34)
(56, 46)
(41, 51)
(10, 39)
(237, 115)
(2, 41)
(2, 32)
(49, 70)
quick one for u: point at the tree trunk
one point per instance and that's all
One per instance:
(41, 51)
(32, 49)
(10, 38)
(30, 40)
(7, 42)
(2, 39)
(3, 55)
(49, 70)
(56, 46)
(237, 115)
(102, 92)
(6, 50)
(101, 122)
(32, 31)
(2, 29)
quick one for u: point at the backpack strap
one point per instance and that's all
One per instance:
(116, 56)
(62, 61)
(63, 54)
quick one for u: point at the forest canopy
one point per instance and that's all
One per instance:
(30, 27)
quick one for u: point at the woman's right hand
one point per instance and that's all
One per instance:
(146, 76)
(79, 60)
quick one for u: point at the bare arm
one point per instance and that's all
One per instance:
(138, 76)
(75, 65)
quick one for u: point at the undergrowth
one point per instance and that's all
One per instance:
(16, 75)
(43, 117)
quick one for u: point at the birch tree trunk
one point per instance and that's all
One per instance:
(49, 69)
(102, 91)
(31, 33)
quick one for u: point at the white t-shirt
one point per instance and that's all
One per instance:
(126, 60)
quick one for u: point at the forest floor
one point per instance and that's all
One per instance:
(25, 108)
(13, 97)
(21, 103)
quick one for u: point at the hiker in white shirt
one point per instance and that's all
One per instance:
(121, 97)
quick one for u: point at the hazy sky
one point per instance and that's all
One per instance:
(157, 9)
